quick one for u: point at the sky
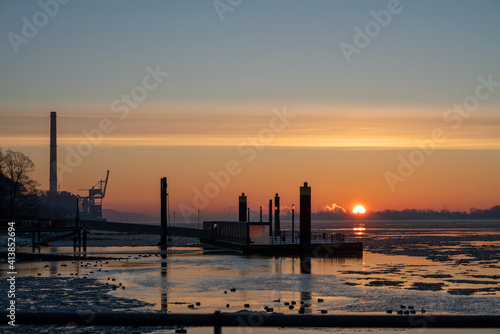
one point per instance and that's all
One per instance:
(387, 104)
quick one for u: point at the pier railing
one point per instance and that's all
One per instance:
(285, 238)
(219, 320)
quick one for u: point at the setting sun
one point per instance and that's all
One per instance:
(358, 209)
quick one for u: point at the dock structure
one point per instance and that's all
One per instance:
(243, 235)
(255, 237)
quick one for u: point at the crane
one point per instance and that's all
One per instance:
(92, 203)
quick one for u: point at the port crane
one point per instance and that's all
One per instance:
(91, 205)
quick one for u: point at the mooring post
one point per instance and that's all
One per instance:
(293, 223)
(242, 208)
(305, 217)
(217, 324)
(277, 228)
(84, 240)
(270, 217)
(77, 219)
(163, 239)
(260, 215)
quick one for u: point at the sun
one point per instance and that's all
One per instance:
(358, 209)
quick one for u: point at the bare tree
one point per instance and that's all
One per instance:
(18, 192)
(4, 182)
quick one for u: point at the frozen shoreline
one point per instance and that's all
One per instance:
(70, 294)
(65, 293)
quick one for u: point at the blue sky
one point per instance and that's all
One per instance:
(227, 76)
(430, 53)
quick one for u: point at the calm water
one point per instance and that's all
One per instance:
(371, 283)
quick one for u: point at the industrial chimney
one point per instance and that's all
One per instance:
(53, 154)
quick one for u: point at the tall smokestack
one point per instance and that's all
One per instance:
(53, 154)
(305, 216)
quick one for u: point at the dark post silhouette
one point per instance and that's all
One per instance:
(277, 228)
(293, 223)
(84, 240)
(77, 219)
(164, 289)
(305, 216)
(270, 217)
(260, 215)
(163, 186)
(305, 264)
(77, 222)
(53, 154)
(243, 208)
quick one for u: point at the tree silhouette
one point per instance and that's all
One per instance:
(18, 191)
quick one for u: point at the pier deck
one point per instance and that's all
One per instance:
(319, 249)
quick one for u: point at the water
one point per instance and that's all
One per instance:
(445, 267)
(441, 269)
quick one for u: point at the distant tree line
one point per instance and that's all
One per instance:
(414, 214)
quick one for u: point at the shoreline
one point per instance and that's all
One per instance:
(441, 249)
(71, 294)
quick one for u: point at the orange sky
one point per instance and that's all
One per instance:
(344, 159)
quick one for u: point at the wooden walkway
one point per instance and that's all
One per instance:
(68, 225)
